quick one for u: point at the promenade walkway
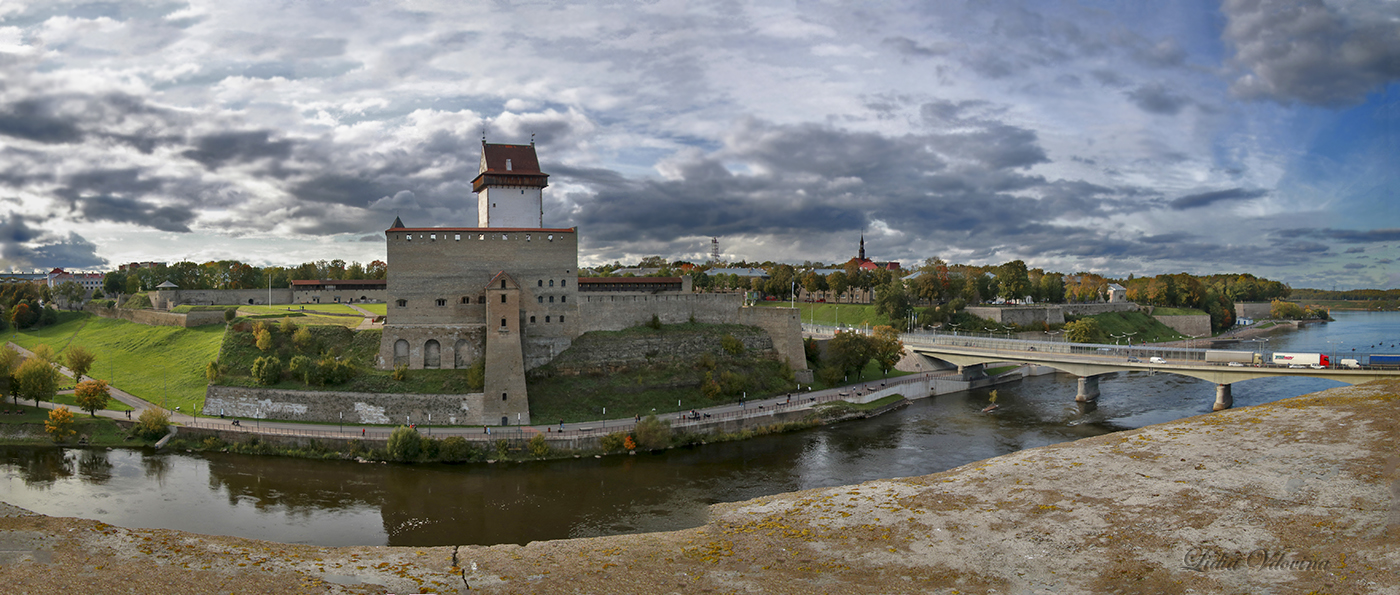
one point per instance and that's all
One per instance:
(755, 409)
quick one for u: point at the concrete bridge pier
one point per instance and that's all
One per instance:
(973, 371)
(1223, 399)
(1088, 389)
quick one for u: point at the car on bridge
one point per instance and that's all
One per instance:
(1156, 360)
(1134, 359)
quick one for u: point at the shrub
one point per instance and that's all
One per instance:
(152, 424)
(302, 368)
(333, 370)
(655, 323)
(709, 387)
(400, 372)
(288, 327)
(212, 371)
(538, 446)
(456, 448)
(263, 339)
(706, 361)
(230, 314)
(731, 345)
(303, 339)
(267, 370)
(830, 375)
(405, 444)
(613, 442)
(60, 424)
(653, 433)
(502, 449)
(628, 443)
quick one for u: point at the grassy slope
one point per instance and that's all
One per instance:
(1160, 311)
(1148, 329)
(99, 431)
(161, 364)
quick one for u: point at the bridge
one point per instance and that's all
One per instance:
(1089, 361)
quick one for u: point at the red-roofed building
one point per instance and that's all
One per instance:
(510, 187)
(336, 291)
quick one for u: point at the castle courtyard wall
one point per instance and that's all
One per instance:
(351, 407)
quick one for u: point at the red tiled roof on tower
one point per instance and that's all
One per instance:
(509, 165)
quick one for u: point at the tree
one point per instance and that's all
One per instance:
(1083, 331)
(1014, 283)
(303, 339)
(838, 282)
(45, 353)
(92, 395)
(9, 360)
(848, 352)
(263, 339)
(886, 347)
(114, 283)
(79, 361)
(230, 314)
(60, 424)
(891, 300)
(288, 327)
(37, 379)
(71, 292)
(538, 446)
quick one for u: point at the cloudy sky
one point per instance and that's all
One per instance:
(1117, 137)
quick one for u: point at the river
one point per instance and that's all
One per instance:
(346, 503)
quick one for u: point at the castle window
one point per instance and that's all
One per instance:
(532, 320)
(551, 237)
(551, 299)
(561, 319)
(540, 299)
(408, 238)
(402, 303)
(505, 237)
(503, 397)
(503, 284)
(480, 236)
(546, 319)
(541, 283)
(458, 237)
(432, 237)
(527, 236)
(563, 298)
(507, 165)
(503, 323)
(503, 298)
(466, 299)
(441, 302)
(482, 299)
(551, 282)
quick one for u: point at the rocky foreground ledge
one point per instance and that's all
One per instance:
(1297, 496)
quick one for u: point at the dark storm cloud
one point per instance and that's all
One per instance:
(127, 210)
(1350, 236)
(23, 247)
(1205, 199)
(1357, 250)
(1309, 51)
(214, 150)
(1157, 99)
(35, 120)
(1353, 266)
(111, 195)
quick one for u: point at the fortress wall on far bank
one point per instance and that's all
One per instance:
(1195, 325)
(607, 311)
(1045, 313)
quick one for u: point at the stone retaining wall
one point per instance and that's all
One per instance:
(610, 312)
(1195, 325)
(1047, 313)
(784, 325)
(1255, 310)
(156, 318)
(328, 406)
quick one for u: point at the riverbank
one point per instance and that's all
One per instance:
(1291, 496)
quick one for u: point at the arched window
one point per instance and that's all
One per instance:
(540, 299)
(432, 354)
(546, 319)
(532, 320)
(563, 282)
(459, 354)
(563, 298)
(551, 282)
(541, 283)
(400, 353)
(551, 299)
(561, 319)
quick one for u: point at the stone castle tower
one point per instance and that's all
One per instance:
(504, 292)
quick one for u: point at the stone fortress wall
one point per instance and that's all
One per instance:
(1049, 314)
(165, 299)
(352, 407)
(438, 278)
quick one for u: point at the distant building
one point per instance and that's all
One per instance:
(89, 281)
(336, 291)
(1117, 293)
(131, 266)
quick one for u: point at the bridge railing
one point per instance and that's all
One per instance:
(1050, 344)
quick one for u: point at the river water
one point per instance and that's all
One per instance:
(347, 503)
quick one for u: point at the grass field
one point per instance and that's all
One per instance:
(380, 309)
(831, 314)
(1145, 329)
(72, 403)
(308, 314)
(161, 364)
(1178, 312)
(99, 432)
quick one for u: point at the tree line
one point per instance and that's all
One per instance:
(232, 274)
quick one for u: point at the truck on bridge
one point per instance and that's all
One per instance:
(1300, 359)
(1217, 356)
(1384, 361)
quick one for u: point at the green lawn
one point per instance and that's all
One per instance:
(99, 432)
(72, 403)
(308, 315)
(380, 309)
(1160, 311)
(1146, 328)
(831, 314)
(161, 364)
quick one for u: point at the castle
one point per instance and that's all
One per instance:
(507, 292)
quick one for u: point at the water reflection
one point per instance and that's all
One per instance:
(93, 466)
(39, 467)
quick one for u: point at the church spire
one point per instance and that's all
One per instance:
(862, 246)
